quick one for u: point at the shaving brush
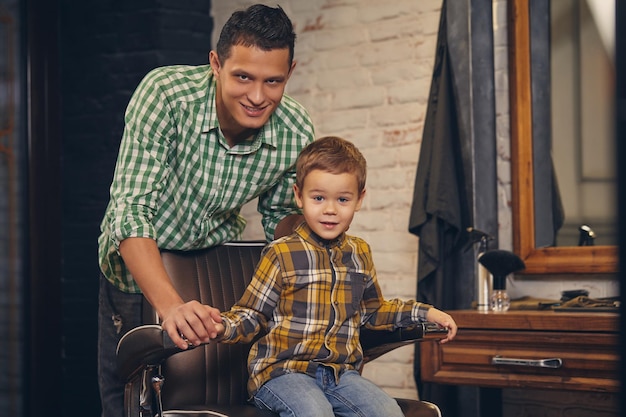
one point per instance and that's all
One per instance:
(500, 263)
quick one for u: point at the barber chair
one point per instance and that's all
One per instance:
(210, 380)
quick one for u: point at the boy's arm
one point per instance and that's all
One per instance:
(389, 314)
(250, 314)
(240, 325)
(399, 313)
(443, 319)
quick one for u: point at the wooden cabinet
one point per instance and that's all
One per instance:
(528, 349)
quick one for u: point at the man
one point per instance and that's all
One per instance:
(199, 142)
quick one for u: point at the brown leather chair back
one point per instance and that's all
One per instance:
(215, 373)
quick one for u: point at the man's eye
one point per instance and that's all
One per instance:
(276, 82)
(243, 77)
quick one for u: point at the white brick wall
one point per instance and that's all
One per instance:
(363, 71)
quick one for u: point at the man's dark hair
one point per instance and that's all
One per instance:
(260, 26)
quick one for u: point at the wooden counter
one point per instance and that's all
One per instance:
(528, 349)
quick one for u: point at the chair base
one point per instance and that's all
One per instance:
(220, 411)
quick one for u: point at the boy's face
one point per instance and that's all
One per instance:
(329, 201)
(250, 85)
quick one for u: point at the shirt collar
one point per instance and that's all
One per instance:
(306, 233)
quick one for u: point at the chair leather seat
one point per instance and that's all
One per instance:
(409, 407)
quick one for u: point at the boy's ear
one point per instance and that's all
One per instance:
(297, 195)
(360, 202)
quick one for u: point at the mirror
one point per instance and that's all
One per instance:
(550, 259)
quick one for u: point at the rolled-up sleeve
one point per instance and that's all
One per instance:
(142, 169)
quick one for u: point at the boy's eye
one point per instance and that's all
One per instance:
(343, 200)
(318, 198)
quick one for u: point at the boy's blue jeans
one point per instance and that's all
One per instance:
(300, 395)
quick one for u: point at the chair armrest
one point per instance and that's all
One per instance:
(149, 345)
(143, 346)
(376, 343)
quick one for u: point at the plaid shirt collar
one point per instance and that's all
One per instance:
(306, 233)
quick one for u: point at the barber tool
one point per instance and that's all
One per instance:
(586, 236)
(484, 280)
(500, 263)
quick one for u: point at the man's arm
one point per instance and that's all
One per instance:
(195, 321)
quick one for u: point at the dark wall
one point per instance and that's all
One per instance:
(105, 48)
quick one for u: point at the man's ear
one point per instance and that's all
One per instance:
(293, 65)
(214, 60)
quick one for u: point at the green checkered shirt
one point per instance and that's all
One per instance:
(309, 298)
(178, 182)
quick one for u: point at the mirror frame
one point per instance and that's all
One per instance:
(549, 260)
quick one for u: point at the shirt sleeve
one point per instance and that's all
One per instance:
(396, 313)
(141, 165)
(381, 314)
(279, 202)
(250, 314)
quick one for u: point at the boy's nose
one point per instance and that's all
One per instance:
(329, 208)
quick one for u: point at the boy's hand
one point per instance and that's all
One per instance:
(443, 319)
(220, 329)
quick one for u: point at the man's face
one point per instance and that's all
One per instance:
(250, 85)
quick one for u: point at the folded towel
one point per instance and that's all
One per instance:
(532, 303)
(583, 301)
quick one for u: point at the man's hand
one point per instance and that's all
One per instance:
(193, 323)
(185, 322)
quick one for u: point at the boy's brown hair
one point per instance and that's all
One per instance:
(331, 154)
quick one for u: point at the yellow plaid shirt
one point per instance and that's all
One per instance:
(309, 298)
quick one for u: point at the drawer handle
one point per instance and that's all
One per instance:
(539, 363)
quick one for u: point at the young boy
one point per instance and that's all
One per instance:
(311, 293)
